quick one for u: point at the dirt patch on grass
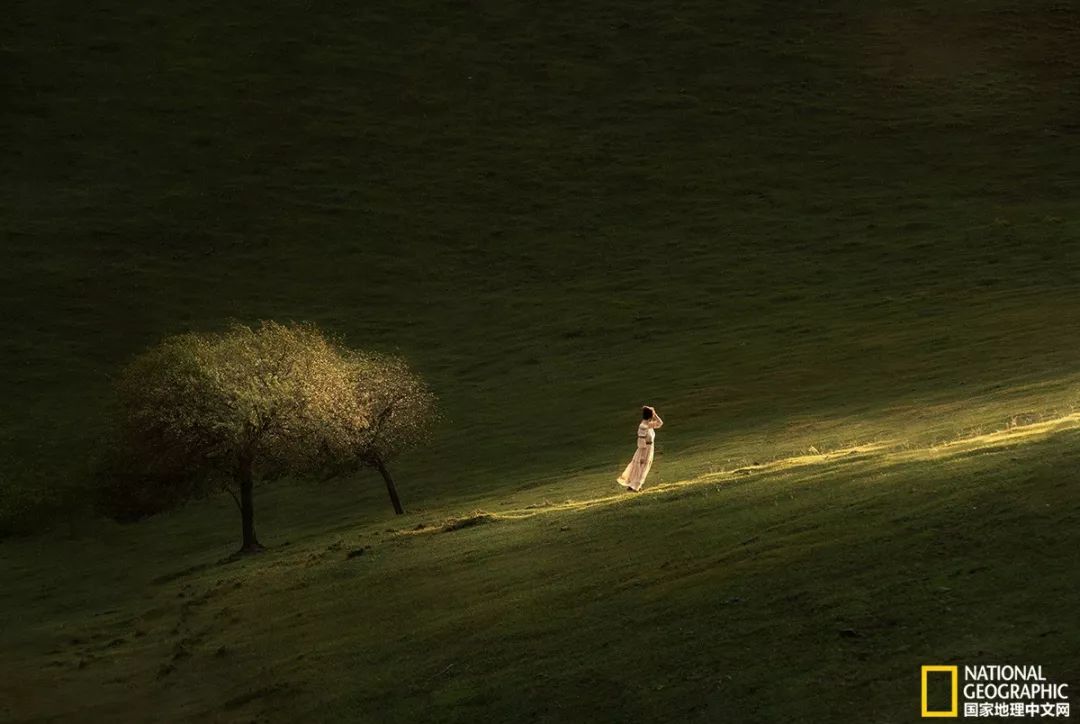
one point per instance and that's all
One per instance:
(467, 522)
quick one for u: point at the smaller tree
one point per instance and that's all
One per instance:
(400, 411)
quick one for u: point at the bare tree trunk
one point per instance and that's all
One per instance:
(390, 487)
(246, 480)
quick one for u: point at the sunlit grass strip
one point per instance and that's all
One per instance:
(1009, 436)
(886, 452)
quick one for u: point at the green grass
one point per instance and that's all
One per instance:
(785, 226)
(738, 212)
(798, 592)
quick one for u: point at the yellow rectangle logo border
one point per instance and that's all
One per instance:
(954, 711)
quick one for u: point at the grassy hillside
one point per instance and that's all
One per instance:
(808, 590)
(787, 225)
(740, 211)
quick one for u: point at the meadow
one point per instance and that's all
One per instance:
(797, 231)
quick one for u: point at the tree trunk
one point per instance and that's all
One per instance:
(390, 487)
(245, 479)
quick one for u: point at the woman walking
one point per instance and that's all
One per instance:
(638, 469)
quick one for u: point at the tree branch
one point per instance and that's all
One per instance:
(235, 499)
(383, 416)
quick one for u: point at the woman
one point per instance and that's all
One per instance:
(634, 475)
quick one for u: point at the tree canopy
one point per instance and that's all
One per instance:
(203, 410)
(398, 408)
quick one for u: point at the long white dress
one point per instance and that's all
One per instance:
(638, 469)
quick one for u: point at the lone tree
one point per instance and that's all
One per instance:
(205, 410)
(400, 411)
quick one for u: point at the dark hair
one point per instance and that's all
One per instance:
(646, 413)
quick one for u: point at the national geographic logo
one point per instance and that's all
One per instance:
(992, 691)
